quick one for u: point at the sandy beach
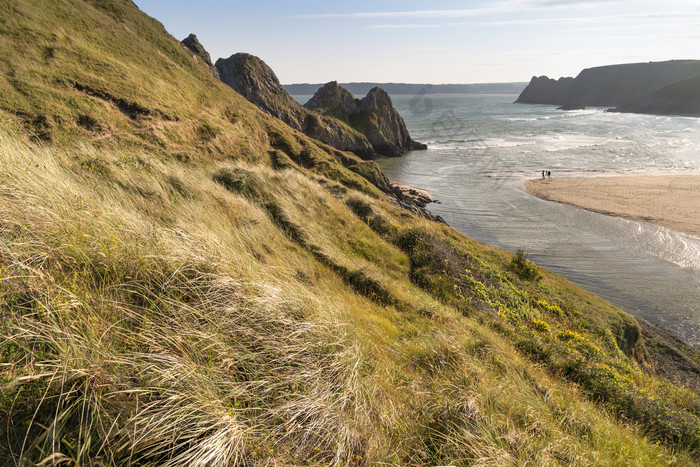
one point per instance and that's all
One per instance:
(672, 201)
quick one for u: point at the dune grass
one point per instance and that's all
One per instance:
(187, 281)
(158, 317)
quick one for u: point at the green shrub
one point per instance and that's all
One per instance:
(524, 268)
(539, 325)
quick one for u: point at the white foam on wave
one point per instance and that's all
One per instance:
(571, 141)
(675, 247)
(480, 144)
(522, 119)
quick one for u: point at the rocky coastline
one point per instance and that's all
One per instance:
(662, 88)
(370, 128)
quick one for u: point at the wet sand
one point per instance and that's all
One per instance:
(672, 201)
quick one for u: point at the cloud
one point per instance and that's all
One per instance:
(402, 26)
(426, 48)
(504, 6)
(590, 19)
(569, 3)
(495, 7)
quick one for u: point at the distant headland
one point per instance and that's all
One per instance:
(361, 89)
(663, 88)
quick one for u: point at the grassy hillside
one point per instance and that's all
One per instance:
(187, 281)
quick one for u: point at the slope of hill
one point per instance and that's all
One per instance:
(679, 98)
(186, 280)
(630, 87)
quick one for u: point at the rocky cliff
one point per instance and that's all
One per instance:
(383, 126)
(254, 80)
(370, 128)
(374, 116)
(544, 90)
(682, 98)
(654, 87)
(333, 99)
(200, 53)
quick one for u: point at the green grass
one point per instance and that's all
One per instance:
(201, 285)
(132, 332)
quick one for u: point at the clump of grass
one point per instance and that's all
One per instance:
(206, 131)
(242, 181)
(360, 207)
(539, 325)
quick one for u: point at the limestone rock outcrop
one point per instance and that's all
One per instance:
(255, 80)
(335, 100)
(200, 53)
(544, 90)
(383, 126)
(374, 116)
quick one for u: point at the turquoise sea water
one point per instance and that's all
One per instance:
(482, 148)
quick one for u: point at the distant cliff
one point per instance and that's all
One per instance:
(361, 89)
(669, 87)
(374, 116)
(370, 128)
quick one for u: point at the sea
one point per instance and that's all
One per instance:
(482, 149)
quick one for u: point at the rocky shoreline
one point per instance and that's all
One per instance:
(413, 200)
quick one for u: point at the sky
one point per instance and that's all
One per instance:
(436, 42)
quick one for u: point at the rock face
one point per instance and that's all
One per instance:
(669, 87)
(370, 127)
(333, 99)
(192, 43)
(543, 90)
(682, 98)
(383, 126)
(374, 116)
(254, 80)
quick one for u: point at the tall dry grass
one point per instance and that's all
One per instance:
(150, 316)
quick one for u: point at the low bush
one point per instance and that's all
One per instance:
(524, 268)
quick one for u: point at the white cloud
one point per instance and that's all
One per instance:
(402, 26)
(495, 7)
(505, 6)
(426, 48)
(592, 19)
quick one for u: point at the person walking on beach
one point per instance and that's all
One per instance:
(543, 175)
(549, 174)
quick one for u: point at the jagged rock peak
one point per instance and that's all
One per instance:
(192, 43)
(374, 116)
(384, 127)
(336, 98)
(254, 80)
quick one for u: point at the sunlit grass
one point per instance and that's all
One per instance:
(153, 316)
(186, 281)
